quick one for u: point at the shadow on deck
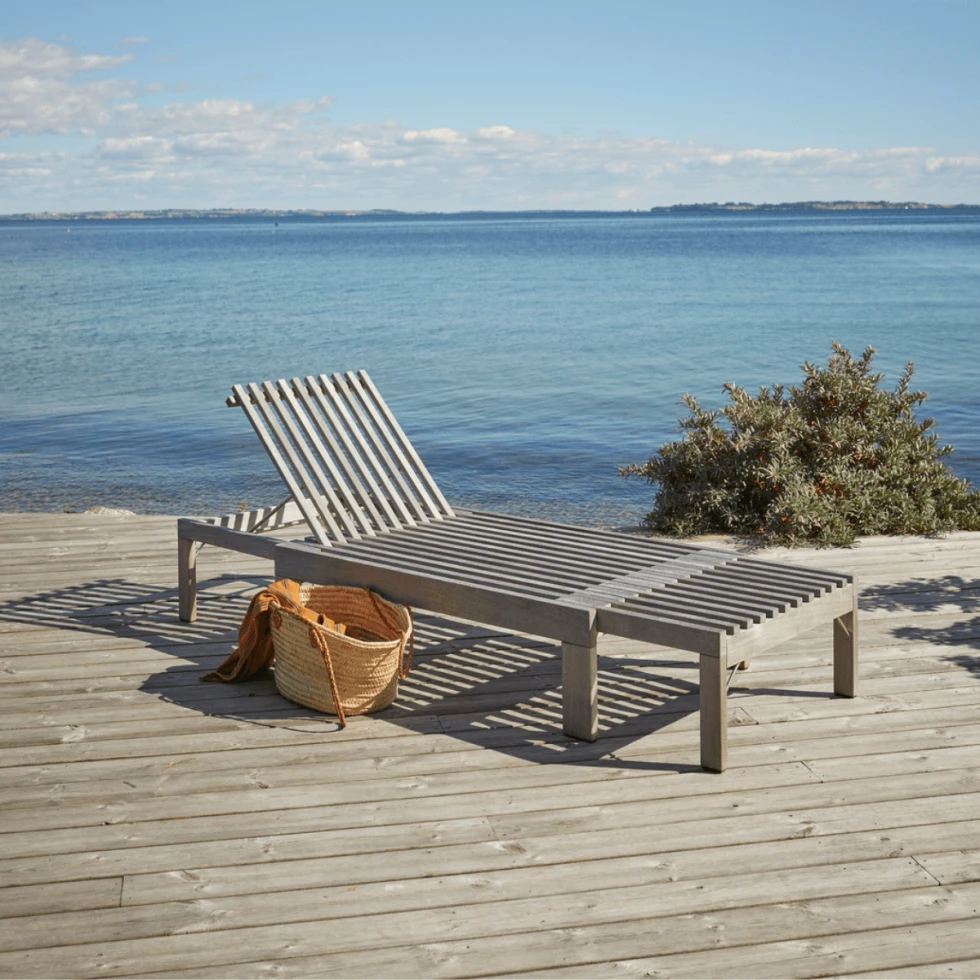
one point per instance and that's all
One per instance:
(486, 687)
(483, 686)
(954, 594)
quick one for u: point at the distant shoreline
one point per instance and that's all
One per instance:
(729, 206)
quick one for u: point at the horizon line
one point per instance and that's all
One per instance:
(176, 212)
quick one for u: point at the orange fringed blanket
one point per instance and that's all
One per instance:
(254, 650)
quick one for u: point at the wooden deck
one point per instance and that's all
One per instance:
(155, 825)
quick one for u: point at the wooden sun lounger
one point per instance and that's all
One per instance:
(379, 520)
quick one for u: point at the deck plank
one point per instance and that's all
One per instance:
(154, 825)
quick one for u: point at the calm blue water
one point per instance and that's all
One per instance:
(527, 356)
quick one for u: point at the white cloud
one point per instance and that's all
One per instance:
(134, 148)
(965, 165)
(40, 89)
(496, 133)
(441, 135)
(247, 153)
(33, 58)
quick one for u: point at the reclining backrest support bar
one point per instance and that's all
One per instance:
(345, 459)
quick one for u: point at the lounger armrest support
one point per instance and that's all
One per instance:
(226, 537)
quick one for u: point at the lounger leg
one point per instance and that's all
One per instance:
(580, 691)
(714, 713)
(846, 652)
(187, 578)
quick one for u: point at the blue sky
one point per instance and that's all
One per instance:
(450, 106)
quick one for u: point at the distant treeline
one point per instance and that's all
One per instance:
(307, 213)
(817, 206)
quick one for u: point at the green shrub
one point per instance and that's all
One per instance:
(822, 462)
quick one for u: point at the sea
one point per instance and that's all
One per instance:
(529, 356)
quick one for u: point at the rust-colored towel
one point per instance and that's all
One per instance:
(254, 650)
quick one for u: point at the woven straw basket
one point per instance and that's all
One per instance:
(341, 674)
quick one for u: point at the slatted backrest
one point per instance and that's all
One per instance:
(343, 456)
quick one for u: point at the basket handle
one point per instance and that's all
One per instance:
(319, 643)
(404, 665)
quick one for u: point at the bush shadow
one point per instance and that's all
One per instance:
(954, 601)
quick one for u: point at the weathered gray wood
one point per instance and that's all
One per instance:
(636, 625)
(623, 858)
(225, 537)
(187, 578)
(841, 954)
(672, 942)
(356, 502)
(391, 441)
(714, 709)
(500, 569)
(755, 639)
(52, 898)
(846, 651)
(428, 898)
(335, 390)
(580, 691)
(407, 447)
(632, 849)
(258, 422)
(496, 606)
(307, 461)
(262, 518)
(333, 428)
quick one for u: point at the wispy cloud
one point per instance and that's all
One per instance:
(242, 152)
(47, 88)
(965, 166)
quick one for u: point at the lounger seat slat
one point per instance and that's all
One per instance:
(480, 538)
(626, 544)
(378, 519)
(621, 544)
(633, 545)
(470, 564)
(451, 536)
(754, 606)
(682, 593)
(712, 613)
(557, 576)
(803, 572)
(721, 577)
(740, 593)
(701, 616)
(789, 579)
(611, 557)
(456, 571)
